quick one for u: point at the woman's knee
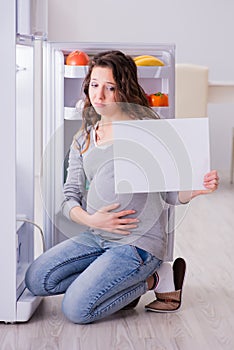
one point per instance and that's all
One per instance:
(37, 277)
(76, 310)
(33, 279)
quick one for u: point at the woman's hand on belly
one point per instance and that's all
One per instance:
(115, 222)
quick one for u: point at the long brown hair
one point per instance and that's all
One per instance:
(129, 92)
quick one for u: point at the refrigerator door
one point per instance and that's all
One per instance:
(17, 177)
(62, 118)
(26, 303)
(8, 166)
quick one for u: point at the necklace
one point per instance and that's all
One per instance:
(99, 132)
(104, 132)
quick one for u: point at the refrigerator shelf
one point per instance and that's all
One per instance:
(71, 113)
(143, 71)
(164, 112)
(75, 71)
(159, 109)
(153, 72)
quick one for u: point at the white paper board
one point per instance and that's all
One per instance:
(161, 155)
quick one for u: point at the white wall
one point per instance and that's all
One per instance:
(202, 31)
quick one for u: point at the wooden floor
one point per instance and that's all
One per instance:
(205, 238)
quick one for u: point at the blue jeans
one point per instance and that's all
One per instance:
(98, 277)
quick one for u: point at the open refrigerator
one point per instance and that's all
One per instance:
(55, 91)
(62, 88)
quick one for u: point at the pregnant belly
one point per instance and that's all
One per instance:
(147, 209)
(101, 194)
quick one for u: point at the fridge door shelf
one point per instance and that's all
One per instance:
(19, 224)
(20, 276)
(26, 305)
(20, 221)
(154, 72)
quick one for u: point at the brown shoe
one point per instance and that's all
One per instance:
(170, 301)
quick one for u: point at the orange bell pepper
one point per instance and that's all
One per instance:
(158, 99)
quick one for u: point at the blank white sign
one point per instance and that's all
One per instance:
(161, 155)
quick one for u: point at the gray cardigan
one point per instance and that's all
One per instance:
(90, 184)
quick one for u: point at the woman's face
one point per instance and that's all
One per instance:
(102, 92)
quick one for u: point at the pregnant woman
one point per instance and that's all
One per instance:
(115, 261)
